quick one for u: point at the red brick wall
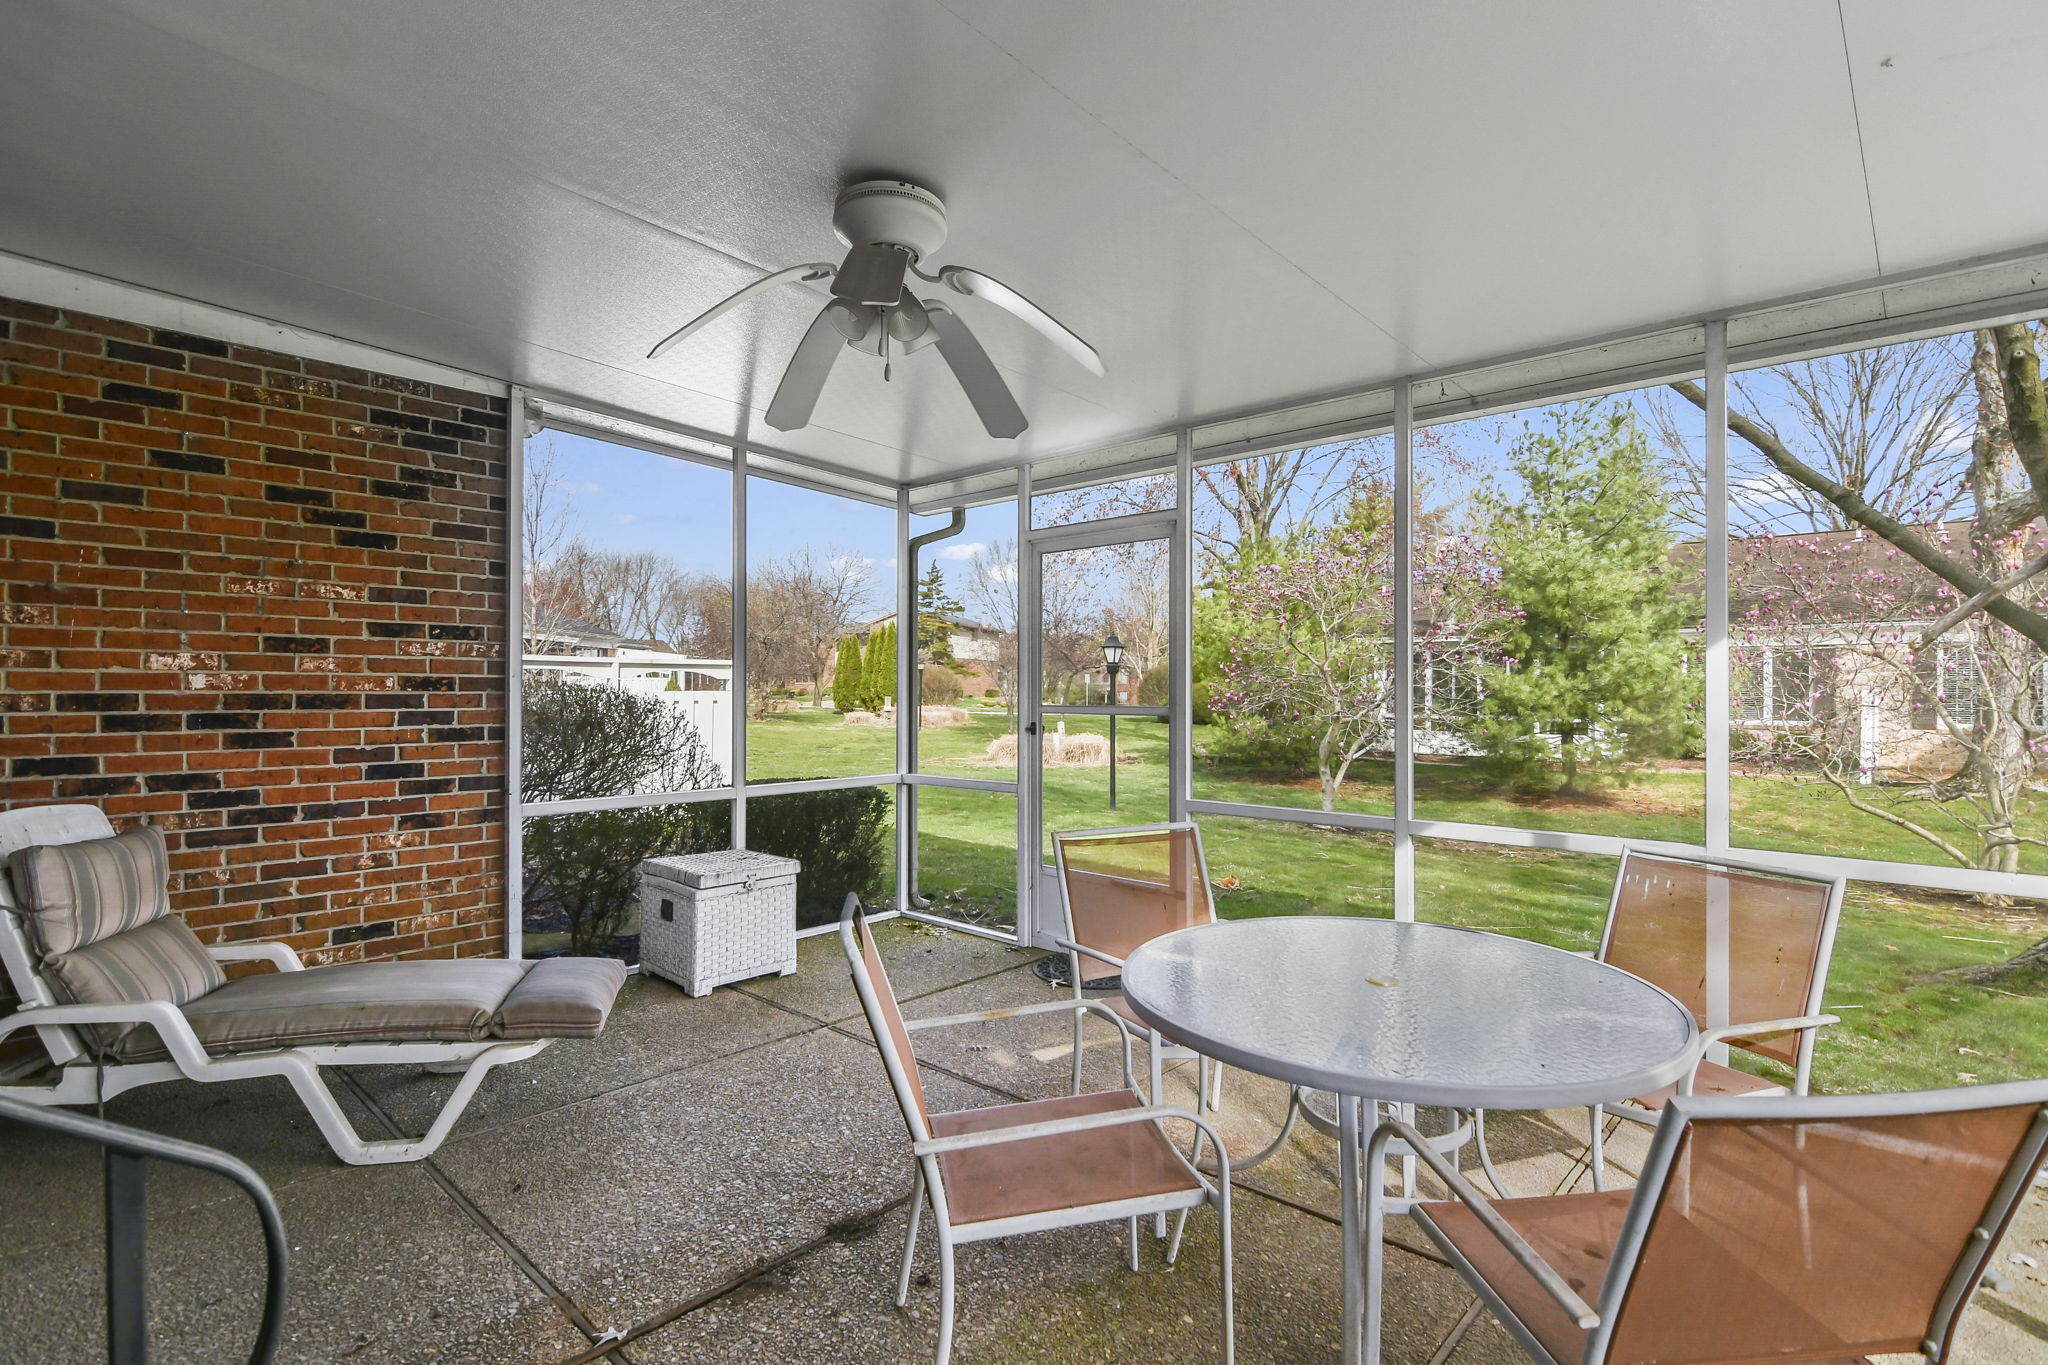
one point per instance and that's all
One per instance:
(260, 602)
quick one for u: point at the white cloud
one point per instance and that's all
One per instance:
(1946, 433)
(962, 552)
(1762, 489)
(627, 518)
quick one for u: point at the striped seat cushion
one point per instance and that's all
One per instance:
(161, 960)
(100, 912)
(76, 895)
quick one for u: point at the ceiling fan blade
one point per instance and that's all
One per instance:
(769, 281)
(992, 399)
(965, 281)
(804, 380)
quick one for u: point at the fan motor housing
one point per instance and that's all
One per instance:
(895, 212)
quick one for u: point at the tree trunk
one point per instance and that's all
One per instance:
(2026, 963)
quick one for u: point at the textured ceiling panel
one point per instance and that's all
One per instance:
(1950, 100)
(1476, 177)
(1242, 207)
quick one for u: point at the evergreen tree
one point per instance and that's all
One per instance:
(1590, 673)
(849, 679)
(880, 672)
(934, 629)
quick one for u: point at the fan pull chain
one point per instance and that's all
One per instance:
(885, 348)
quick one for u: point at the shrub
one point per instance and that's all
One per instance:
(586, 867)
(840, 837)
(1152, 687)
(992, 693)
(583, 740)
(940, 684)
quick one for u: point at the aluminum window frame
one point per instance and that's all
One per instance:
(1880, 311)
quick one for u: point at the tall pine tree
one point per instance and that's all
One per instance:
(1591, 673)
(880, 672)
(935, 608)
(849, 679)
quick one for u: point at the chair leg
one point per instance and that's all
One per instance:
(1077, 1052)
(1155, 1074)
(1215, 1085)
(1134, 1241)
(1486, 1155)
(1180, 1225)
(1596, 1154)
(1229, 1300)
(1202, 1106)
(945, 1294)
(910, 1242)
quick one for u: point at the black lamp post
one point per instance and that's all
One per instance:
(1113, 661)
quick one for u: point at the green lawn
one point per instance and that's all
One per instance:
(1904, 1024)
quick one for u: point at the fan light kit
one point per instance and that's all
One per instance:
(890, 227)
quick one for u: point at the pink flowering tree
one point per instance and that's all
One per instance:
(1309, 636)
(1858, 670)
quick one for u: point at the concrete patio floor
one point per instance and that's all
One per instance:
(726, 1179)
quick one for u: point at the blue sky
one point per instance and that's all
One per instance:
(619, 498)
(625, 499)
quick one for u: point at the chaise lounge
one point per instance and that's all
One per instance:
(123, 994)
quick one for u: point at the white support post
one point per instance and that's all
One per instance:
(1719, 662)
(909, 711)
(737, 779)
(1028, 676)
(1180, 631)
(1404, 651)
(515, 653)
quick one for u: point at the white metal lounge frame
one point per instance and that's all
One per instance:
(930, 1182)
(1208, 1074)
(1599, 1317)
(85, 1078)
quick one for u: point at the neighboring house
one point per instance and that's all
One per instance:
(554, 639)
(550, 630)
(977, 650)
(1823, 632)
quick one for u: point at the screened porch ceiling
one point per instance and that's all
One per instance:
(1244, 207)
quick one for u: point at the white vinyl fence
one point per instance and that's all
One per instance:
(704, 696)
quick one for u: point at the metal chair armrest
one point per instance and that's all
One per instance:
(1085, 951)
(277, 954)
(1016, 1011)
(1545, 1275)
(1123, 1028)
(1709, 1037)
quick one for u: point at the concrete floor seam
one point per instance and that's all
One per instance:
(851, 1228)
(562, 1300)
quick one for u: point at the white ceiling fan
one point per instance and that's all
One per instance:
(891, 227)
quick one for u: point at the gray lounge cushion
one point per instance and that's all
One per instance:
(162, 960)
(562, 997)
(99, 911)
(75, 895)
(456, 1000)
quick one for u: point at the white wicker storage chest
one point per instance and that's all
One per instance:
(710, 918)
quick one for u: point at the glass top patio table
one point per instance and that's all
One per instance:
(1416, 1013)
(1409, 1013)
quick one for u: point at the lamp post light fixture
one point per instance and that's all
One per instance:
(1113, 662)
